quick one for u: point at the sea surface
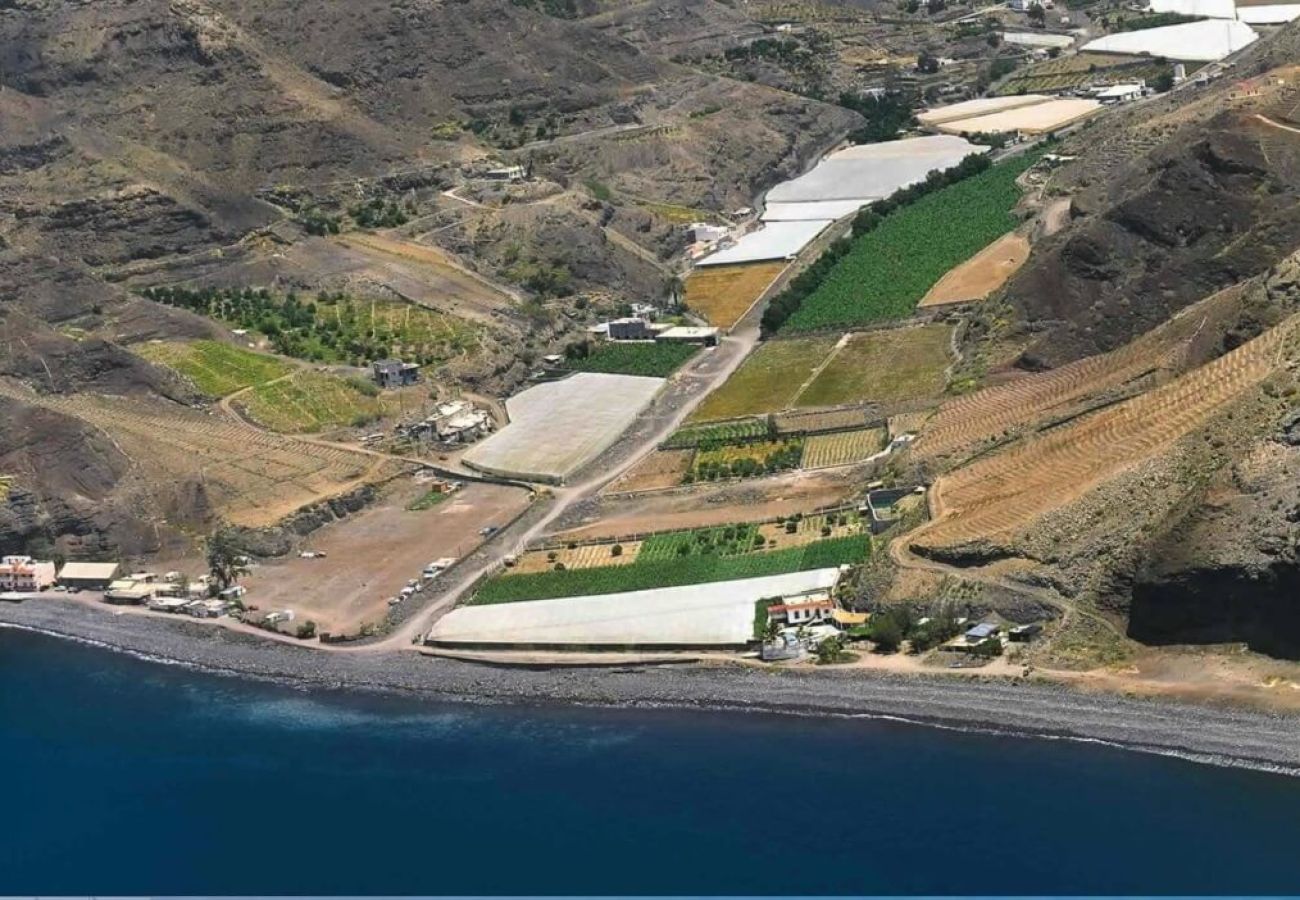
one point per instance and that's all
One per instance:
(122, 776)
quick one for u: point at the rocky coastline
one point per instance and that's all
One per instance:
(1210, 734)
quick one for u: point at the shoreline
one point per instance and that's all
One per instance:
(1217, 735)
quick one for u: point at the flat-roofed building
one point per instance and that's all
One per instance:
(88, 576)
(22, 574)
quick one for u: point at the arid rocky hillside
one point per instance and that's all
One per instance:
(149, 142)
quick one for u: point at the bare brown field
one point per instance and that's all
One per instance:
(371, 555)
(980, 275)
(252, 477)
(974, 418)
(723, 294)
(1007, 492)
(660, 469)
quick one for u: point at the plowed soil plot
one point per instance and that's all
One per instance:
(1005, 493)
(372, 554)
(661, 469)
(982, 274)
(723, 294)
(252, 477)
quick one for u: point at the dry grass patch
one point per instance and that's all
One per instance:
(884, 367)
(982, 274)
(723, 294)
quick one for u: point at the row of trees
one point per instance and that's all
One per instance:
(786, 456)
(785, 304)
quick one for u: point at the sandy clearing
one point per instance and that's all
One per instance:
(372, 554)
(980, 275)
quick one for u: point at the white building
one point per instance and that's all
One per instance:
(22, 574)
(705, 233)
(1120, 93)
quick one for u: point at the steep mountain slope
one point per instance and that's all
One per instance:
(149, 142)
(1169, 202)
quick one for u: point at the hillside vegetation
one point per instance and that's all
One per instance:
(215, 368)
(890, 266)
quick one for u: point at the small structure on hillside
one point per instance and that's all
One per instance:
(630, 328)
(393, 373)
(22, 574)
(1121, 93)
(806, 610)
(981, 633)
(88, 576)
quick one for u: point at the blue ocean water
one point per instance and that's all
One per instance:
(121, 776)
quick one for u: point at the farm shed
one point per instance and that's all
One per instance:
(1039, 118)
(720, 614)
(558, 427)
(1206, 41)
(776, 240)
(88, 576)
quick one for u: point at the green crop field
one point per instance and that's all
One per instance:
(767, 381)
(890, 268)
(724, 540)
(214, 368)
(310, 401)
(691, 568)
(657, 360)
(884, 367)
(717, 433)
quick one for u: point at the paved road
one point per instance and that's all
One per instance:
(694, 383)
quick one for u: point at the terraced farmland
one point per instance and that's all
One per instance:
(1007, 492)
(251, 477)
(768, 380)
(308, 402)
(214, 368)
(884, 367)
(1069, 72)
(891, 267)
(723, 294)
(825, 450)
(968, 421)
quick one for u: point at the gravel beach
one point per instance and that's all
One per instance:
(1212, 734)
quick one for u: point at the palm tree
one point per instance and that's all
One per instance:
(226, 562)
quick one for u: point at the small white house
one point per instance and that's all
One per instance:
(25, 575)
(1120, 93)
